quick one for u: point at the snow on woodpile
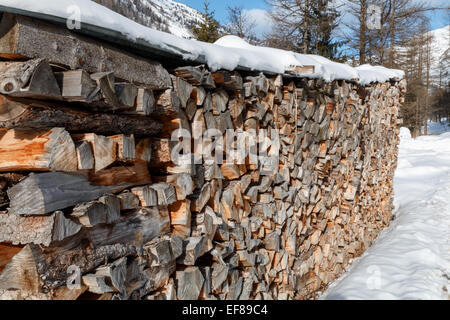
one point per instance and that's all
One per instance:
(227, 53)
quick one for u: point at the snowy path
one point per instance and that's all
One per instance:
(411, 258)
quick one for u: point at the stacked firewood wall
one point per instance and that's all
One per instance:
(93, 205)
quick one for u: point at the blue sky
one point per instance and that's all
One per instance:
(220, 5)
(438, 19)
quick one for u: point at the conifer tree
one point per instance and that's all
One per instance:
(208, 29)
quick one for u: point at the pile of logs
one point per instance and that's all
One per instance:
(88, 187)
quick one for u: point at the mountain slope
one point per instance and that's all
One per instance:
(440, 50)
(165, 15)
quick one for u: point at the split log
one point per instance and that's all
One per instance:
(33, 79)
(36, 269)
(180, 218)
(7, 252)
(144, 150)
(219, 101)
(47, 192)
(26, 37)
(148, 196)
(145, 102)
(96, 284)
(104, 149)
(128, 201)
(192, 75)
(134, 175)
(189, 283)
(85, 156)
(182, 182)
(90, 214)
(34, 115)
(112, 204)
(125, 147)
(42, 150)
(105, 84)
(180, 213)
(115, 273)
(194, 248)
(41, 230)
(184, 90)
(77, 85)
(126, 94)
(166, 193)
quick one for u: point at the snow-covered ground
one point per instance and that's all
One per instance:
(411, 258)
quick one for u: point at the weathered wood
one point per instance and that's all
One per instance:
(167, 104)
(85, 156)
(27, 37)
(77, 85)
(105, 84)
(145, 102)
(47, 192)
(133, 175)
(166, 193)
(128, 201)
(112, 204)
(41, 150)
(34, 115)
(192, 75)
(189, 283)
(125, 147)
(148, 196)
(96, 283)
(90, 214)
(219, 101)
(126, 94)
(180, 213)
(104, 149)
(300, 70)
(33, 78)
(41, 230)
(115, 273)
(144, 150)
(193, 248)
(184, 90)
(182, 182)
(7, 252)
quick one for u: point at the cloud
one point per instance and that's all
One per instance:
(263, 22)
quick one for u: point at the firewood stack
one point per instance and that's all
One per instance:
(88, 185)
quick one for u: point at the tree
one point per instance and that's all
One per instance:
(398, 21)
(240, 23)
(305, 26)
(208, 29)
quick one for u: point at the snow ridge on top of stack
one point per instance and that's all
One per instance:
(228, 53)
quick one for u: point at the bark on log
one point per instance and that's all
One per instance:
(34, 115)
(30, 38)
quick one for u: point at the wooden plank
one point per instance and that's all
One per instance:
(27, 37)
(38, 150)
